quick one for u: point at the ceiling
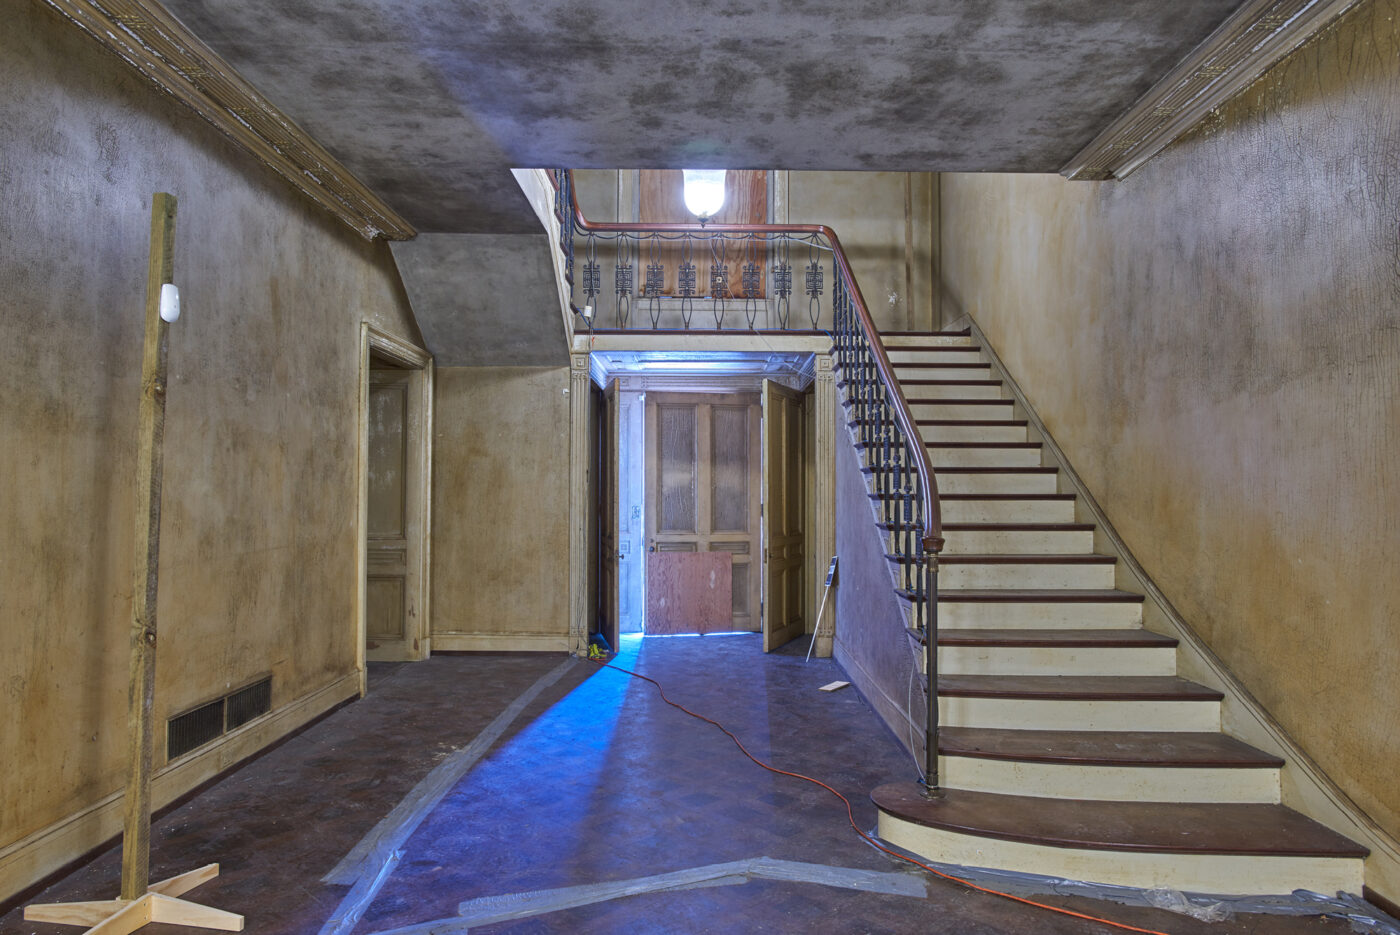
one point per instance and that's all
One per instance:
(432, 102)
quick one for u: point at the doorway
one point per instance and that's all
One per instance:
(395, 480)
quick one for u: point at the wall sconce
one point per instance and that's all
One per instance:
(704, 192)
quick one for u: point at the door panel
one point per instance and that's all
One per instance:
(783, 426)
(702, 487)
(387, 547)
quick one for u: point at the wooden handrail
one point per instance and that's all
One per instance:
(932, 532)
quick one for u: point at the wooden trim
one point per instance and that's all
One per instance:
(37, 855)
(1255, 38)
(501, 642)
(1385, 905)
(413, 357)
(144, 35)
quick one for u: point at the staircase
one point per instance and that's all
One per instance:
(1069, 746)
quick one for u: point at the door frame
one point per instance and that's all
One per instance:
(420, 365)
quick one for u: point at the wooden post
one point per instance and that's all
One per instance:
(142, 902)
(136, 838)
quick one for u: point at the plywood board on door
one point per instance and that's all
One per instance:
(689, 592)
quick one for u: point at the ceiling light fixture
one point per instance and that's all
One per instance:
(704, 192)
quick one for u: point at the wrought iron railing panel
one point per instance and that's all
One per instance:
(886, 433)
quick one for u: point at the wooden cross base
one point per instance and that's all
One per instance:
(159, 904)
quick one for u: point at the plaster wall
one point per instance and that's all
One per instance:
(886, 224)
(501, 508)
(258, 567)
(1215, 343)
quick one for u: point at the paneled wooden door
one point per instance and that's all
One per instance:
(703, 485)
(391, 558)
(782, 515)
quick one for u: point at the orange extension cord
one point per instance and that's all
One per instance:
(850, 815)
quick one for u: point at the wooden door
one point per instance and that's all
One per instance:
(782, 515)
(609, 498)
(702, 487)
(389, 559)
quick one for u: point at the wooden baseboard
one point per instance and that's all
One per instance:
(501, 642)
(35, 856)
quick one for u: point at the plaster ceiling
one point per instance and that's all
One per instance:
(431, 102)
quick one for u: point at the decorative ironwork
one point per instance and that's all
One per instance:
(750, 279)
(656, 279)
(687, 280)
(815, 275)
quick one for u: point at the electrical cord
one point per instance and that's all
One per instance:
(851, 818)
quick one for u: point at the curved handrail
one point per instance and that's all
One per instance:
(932, 532)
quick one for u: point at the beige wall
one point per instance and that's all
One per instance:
(885, 223)
(257, 571)
(501, 508)
(1215, 342)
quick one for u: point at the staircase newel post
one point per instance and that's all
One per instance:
(931, 548)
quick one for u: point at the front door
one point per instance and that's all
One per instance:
(702, 495)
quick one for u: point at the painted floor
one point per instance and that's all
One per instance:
(594, 780)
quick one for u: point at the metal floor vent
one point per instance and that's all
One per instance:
(193, 729)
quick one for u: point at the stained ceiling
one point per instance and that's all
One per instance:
(431, 102)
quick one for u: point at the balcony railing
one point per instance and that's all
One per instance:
(668, 294)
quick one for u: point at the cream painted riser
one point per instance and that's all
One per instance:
(1017, 615)
(1111, 783)
(1050, 660)
(1196, 873)
(957, 575)
(1039, 714)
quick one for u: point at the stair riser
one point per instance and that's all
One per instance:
(996, 483)
(958, 575)
(892, 341)
(980, 411)
(1072, 542)
(1111, 783)
(1046, 660)
(955, 391)
(903, 373)
(974, 433)
(899, 355)
(1040, 714)
(1199, 873)
(984, 457)
(1008, 511)
(1033, 614)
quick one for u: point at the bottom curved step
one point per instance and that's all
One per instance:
(1195, 847)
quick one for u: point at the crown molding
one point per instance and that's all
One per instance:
(148, 38)
(1256, 36)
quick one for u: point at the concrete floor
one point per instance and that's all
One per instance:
(596, 780)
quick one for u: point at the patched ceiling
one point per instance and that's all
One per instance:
(432, 102)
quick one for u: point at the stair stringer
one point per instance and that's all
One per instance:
(1306, 787)
(864, 596)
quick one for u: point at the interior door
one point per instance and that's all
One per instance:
(610, 496)
(782, 515)
(702, 492)
(388, 559)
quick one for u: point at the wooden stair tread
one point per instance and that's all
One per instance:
(1165, 749)
(958, 333)
(956, 401)
(1161, 827)
(1031, 558)
(1015, 445)
(972, 497)
(1076, 687)
(1036, 595)
(1053, 638)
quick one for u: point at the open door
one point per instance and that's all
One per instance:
(782, 515)
(609, 498)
